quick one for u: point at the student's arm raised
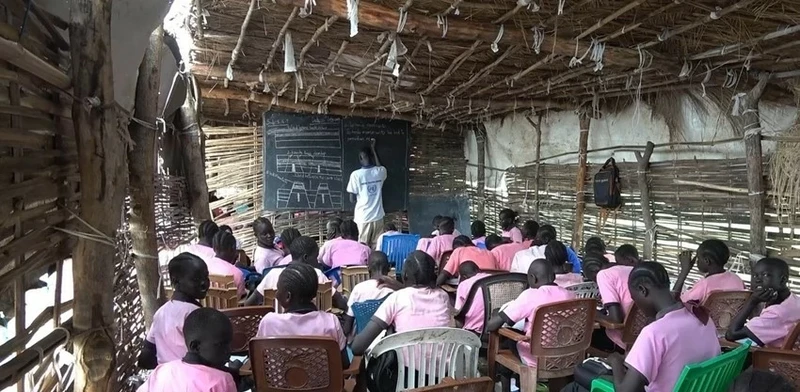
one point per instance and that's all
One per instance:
(374, 153)
(686, 262)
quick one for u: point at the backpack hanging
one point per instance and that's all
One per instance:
(606, 186)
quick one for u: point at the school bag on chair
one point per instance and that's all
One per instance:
(606, 186)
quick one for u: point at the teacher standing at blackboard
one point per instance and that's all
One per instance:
(365, 188)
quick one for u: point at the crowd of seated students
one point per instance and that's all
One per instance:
(680, 331)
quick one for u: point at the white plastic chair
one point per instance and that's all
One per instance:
(585, 290)
(433, 352)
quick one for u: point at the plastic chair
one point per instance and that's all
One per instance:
(497, 290)
(221, 281)
(561, 333)
(397, 247)
(218, 298)
(483, 384)
(713, 375)
(245, 322)
(783, 362)
(363, 312)
(723, 306)
(427, 356)
(324, 298)
(351, 276)
(585, 290)
(271, 300)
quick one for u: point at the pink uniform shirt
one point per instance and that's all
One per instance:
(726, 281)
(270, 281)
(481, 257)
(346, 252)
(423, 244)
(668, 344)
(776, 322)
(515, 234)
(166, 332)
(525, 306)
(325, 249)
(365, 291)
(202, 251)
(568, 279)
(613, 286)
(217, 266)
(266, 258)
(314, 323)
(473, 320)
(179, 376)
(504, 254)
(525, 257)
(439, 245)
(284, 261)
(415, 308)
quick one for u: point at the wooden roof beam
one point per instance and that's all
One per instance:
(727, 49)
(314, 38)
(513, 78)
(279, 39)
(706, 19)
(614, 15)
(484, 72)
(628, 28)
(237, 50)
(452, 68)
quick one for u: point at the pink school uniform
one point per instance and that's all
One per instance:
(266, 258)
(481, 257)
(668, 344)
(202, 251)
(524, 307)
(180, 376)
(504, 254)
(726, 281)
(325, 249)
(365, 291)
(314, 323)
(439, 245)
(474, 319)
(270, 281)
(423, 244)
(613, 286)
(775, 322)
(568, 279)
(166, 332)
(217, 266)
(415, 308)
(515, 234)
(284, 261)
(346, 252)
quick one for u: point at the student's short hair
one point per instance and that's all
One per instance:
(761, 381)
(224, 241)
(379, 262)
(529, 229)
(436, 220)
(226, 228)
(627, 252)
(447, 225)
(594, 259)
(288, 236)
(420, 268)
(181, 264)
(367, 151)
(300, 280)
(595, 244)
(390, 227)
(468, 268)
(715, 251)
(462, 241)
(507, 213)
(302, 246)
(260, 223)
(204, 323)
(493, 241)
(556, 253)
(776, 263)
(649, 273)
(207, 230)
(478, 229)
(546, 234)
(349, 230)
(336, 222)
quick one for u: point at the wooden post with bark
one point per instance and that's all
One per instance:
(104, 178)
(192, 152)
(480, 138)
(580, 180)
(755, 168)
(644, 190)
(142, 169)
(537, 126)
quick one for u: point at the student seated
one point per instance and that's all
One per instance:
(165, 341)
(286, 239)
(597, 246)
(469, 273)
(523, 259)
(761, 381)
(682, 334)
(389, 229)
(508, 222)
(265, 255)
(503, 250)
(591, 265)
(222, 263)
(478, 229)
(333, 234)
(444, 241)
(712, 255)
(207, 334)
(347, 250)
(419, 305)
(556, 254)
(304, 250)
(297, 288)
(436, 221)
(781, 307)
(612, 283)
(543, 291)
(374, 288)
(529, 230)
(464, 250)
(205, 239)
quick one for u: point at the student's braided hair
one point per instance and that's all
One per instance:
(303, 246)
(288, 236)
(715, 251)
(760, 381)
(224, 240)
(493, 241)
(595, 244)
(650, 273)
(419, 269)
(206, 231)
(529, 229)
(300, 280)
(556, 254)
(462, 241)
(349, 230)
(378, 262)
(447, 225)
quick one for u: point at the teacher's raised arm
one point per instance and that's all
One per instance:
(366, 187)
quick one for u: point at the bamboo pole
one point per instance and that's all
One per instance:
(537, 126)
(580, 180)
(104, 179)
(29, 63)
(643, 166)
(699, 22)
(755, 170)
(480, 138)
(237, 50)
(192, 146)
(18, 205)
(142, 169)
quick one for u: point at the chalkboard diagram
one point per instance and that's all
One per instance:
(299, 163)
(298, 197)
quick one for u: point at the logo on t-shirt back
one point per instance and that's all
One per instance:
(372, 189)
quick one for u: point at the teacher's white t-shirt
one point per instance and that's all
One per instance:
(366, 184)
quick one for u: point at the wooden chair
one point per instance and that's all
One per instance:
(218, 298)
(497, 290)
(351, 276)
(635, 321)
(271, 300)
(221, 281)
(483, 384)
(324, 298)
(783, 362)
(299, 363)
(561, 333)
(245, 322)
(723, 306)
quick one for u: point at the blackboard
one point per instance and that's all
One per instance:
(308, 159)
(422, 209)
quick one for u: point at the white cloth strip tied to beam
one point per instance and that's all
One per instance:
(598, 49)
(441, 21)
(685, 70)
(307, 8)
(401, 19)
(706, 79)
(289, 64)
(530, 4)
(574, 61)
(737, 104)
(731, 79)
(538, 39)
(497, 39)
(393, 59)
(352, 16)
(561, 4)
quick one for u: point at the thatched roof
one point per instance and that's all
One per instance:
(455, 76)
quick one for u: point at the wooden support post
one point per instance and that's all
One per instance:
(142, 169)
(104, 179)
(192, 152)
(644, 190)
(755, 169)
(580, 180)
(480, 138)
(537, 126)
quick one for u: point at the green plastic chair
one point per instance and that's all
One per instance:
(713, 375)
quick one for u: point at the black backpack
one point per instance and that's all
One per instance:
(606, 186)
